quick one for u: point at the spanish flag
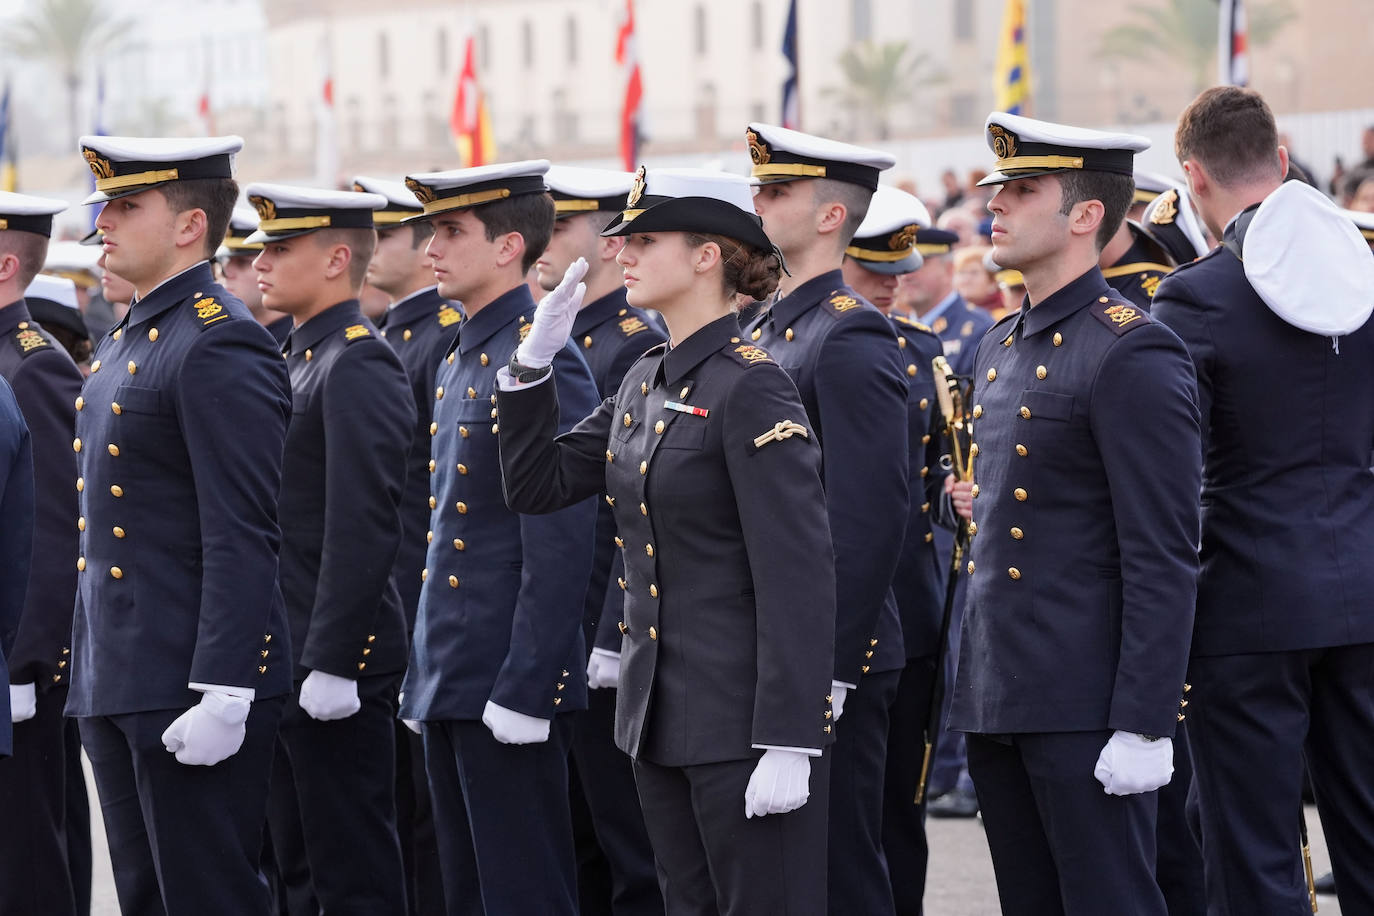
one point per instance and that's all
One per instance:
(1013, 89)
(470, 120)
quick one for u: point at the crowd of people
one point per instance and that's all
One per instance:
(539, 539)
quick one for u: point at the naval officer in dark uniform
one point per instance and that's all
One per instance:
(180, 429)
(351, 423)
(843, 356)
(235, 258)
(1134, 262)
(615, 865)
(714, 476)
(419, 324)
(16, 540)
(1277, 321)
(928, 292)
(1083, 566)
(497, 662)
(882, 251)
(34, 871)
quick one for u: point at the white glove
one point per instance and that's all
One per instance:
(511, 727)
(326, 697)
(781, 783)
(412, 724)
(210, 731)
(1129, 764)
(838, 692)
(603, 669)
(553, 320)
(23, 702)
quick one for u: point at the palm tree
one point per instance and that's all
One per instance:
(1185, 32)
(880, 76)
(67, 33)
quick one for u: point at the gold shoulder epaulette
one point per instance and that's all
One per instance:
(448, 315)
(208, 311)
(1120, 317)
(27, 340)
(356, 332)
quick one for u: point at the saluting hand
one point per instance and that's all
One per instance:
(961, 496)
(553, 320)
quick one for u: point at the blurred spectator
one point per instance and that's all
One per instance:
(962, 223)
(954, 192)
(1358, 191)
(1304, 172)
(973, 280)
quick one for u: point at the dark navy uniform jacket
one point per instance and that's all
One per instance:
(917, 585)
(843, 356)
(1082, 571)
(960, 326)
(729, 608)
(501, 606)
(351, 422)
(611, 336)
(46, 384)
(181, 424)
(16, 535)
(1137, 273)
(280, 329)
(420, 329)
(1287, 496)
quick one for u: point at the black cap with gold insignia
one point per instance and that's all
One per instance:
(692, 200)
(1026, 147)
(885, 242)
(401, 202)
(131, 165)
(243, 222)
(285, 211)
(780, 154)
(578, 190)
(1170, 221)
(459, 189)
(22, 213)
(932, 243)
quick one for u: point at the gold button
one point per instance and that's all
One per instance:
(452, 581)
(429, 536)
(925, 507)
(118, 531)
(80, 484)
(462, 508)
(1187, 688)
(864, 669)
(463, 469)
(610, 501)
(621, 582)
(116, 491)
(424, 573)
(95, 366)
(643, 509)
(113, 450)
(653, 633)
(76, 445)
(788, 334)
(309, 355)
(472, 392)
(495, 428)
(362, 666)
(649, 549)
(133, 367)
(1017, 534)
(659, 426)
(117, 334)
(1103, 299)
(683, 392)
(610, 457)
(493, 413)
(975, 490)
(758, 332)
(970, 567)
(114, 405)
(929, 537)
(463, 431)
(1014, 573)
(925, 471)
(459, 544)
(450, 358)
(643, 387)
(80, 402)
(622, 628)
(1025, 412)
(653, 591)
(1020, 494)
(1041, 372)
(80, 564)
(977, 411)
(973, 450)
(911, 369)
(485, 360)
(81, 523)
(405, 335)
(826, 729)
(152, 334)
(972, 528)
(23, 325)
(629, 421)
(371, 637)
(431, 465)
(901, 343)
(262, 669)
(1058, 339)
(1022, 450)
(439, 393)
(644, 467)
(433, 503)
(433, 427)
(992, 374)
(587, 341)
(619, 541)
(116, 572)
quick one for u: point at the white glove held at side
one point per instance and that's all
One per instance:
(1129, 764)
(511, 727)
(603, 669)
(210, 731)
(838, 692)
(326, 697)
(23, 702)
(553, 320)
(781, 782)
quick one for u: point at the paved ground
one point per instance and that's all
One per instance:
(960, 882)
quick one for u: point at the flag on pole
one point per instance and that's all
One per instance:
(791, 96)
(1233, 53)
(326, 127)
(470, 121)
(9, 157)
(1013, 88)
(627, 56)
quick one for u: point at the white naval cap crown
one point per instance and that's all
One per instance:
(458, 189)
(583, 190)
(72, 258)
(60, 290)
(783, 154)
(129, 165)
(25, 213)
(401, 202)
(886, 239)
(286, 211)
(1026, 146)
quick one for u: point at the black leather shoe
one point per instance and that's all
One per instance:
(1326, 884)
(953, 804)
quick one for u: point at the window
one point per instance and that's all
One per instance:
(963, 20)
(706, 112)
(699, 29)
(570, 40)
(756, 21)
(441, 51)
(383, 56)
(483, 47)
(527, 43)
(964, 110)
(861, 20)
(391, 124)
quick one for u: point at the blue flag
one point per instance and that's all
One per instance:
(791, 98)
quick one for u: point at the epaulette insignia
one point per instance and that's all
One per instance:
(1150, 283)
(448, 315)
(967, 329)
(1120, 317)
(842, 302)
(209, 311)
(632, 326)
(1166, 210)
(748, 354)
(356, 332)
(27, 340)
(940, 324)
(525, 330)
(783, 429)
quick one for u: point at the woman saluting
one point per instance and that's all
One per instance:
(708, 460)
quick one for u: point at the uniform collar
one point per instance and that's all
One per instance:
(692, 352)
(193, 280)
(603, 309)
(504, 309)
(14, 314)
(322, 325)
(422, 303)
(1084, 291)
(790, 307)
(944, 305)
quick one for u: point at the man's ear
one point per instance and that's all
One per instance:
(1086, 216)
(191, 226)
(607, 247)
(340, 256)
(830, 218)
(9, 266)
(1199, 182)
(510, 247)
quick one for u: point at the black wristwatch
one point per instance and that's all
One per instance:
(1150, 737)
(526, 374)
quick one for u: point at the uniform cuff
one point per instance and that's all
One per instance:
(506, 382)
(246, 693)
(808, 751)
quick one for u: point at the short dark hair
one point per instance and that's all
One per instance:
(854, 197)
(215, 196)
(361, 242)
(420, 232)
(30, 248)
(531, 215)
(1231, 132)
(1114, 191)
